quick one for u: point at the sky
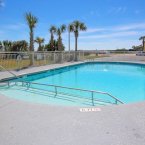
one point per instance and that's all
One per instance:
(111, 24)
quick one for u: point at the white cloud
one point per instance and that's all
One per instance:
(92, 12)
(2, 4)
(137, 12)
(93, 30)
(16, 26)
(108, 44)
(130, 27)
(110, 35)
(116, 10)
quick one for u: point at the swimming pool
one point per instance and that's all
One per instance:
(125, 81)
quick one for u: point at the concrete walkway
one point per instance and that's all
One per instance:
(23, 123)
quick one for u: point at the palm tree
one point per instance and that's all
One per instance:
(31, 21)
(52, 30)
(70, 28)
(59, 32)
(77, 26)
(143, 42)
(39, 41)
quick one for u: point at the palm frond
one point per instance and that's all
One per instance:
(83, 27)
(70, 28)
(39, 40)
(58, 32)
(63, 28)
(31, 20)
(142, 37)
(52, 29)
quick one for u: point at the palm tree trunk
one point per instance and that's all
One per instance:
(69, 40)
(76, 47)
(39, 47)
(31, 49)
(60, 44)
(143, 45)
(51, 41)
(31, 41)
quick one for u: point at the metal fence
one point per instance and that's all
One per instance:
(20, 60)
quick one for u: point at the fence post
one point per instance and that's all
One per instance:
(33, 60)
(83, 55)
(54, 57)
(44, 58)
(69, 56)
(62, 57)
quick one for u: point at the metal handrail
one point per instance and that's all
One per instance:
(9, 71)
(78, 89)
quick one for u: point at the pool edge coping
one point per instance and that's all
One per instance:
(68, 65)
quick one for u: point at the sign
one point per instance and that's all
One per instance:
(90, 109)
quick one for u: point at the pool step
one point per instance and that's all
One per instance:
(3, 84)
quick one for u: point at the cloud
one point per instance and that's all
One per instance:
(93, 30)
(110, 35)
(2, 4)
(130, 27)
(16, 26)
(137, 12)
(117, 10)
(15, 31)
(108, 44)
(92, 12)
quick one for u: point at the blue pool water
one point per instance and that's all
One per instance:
(122, 80)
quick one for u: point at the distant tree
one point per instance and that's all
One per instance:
(48, 47)
(1, 46)
(77, 26)
(137, 48)
(52, 31)
(7, 45)
(21, 45)
(143, 42)
(40, 41)
(122, 49)
(59, 32)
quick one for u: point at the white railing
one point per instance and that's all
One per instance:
(19, 60)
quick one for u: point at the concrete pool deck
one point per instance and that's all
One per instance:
(23, 123)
